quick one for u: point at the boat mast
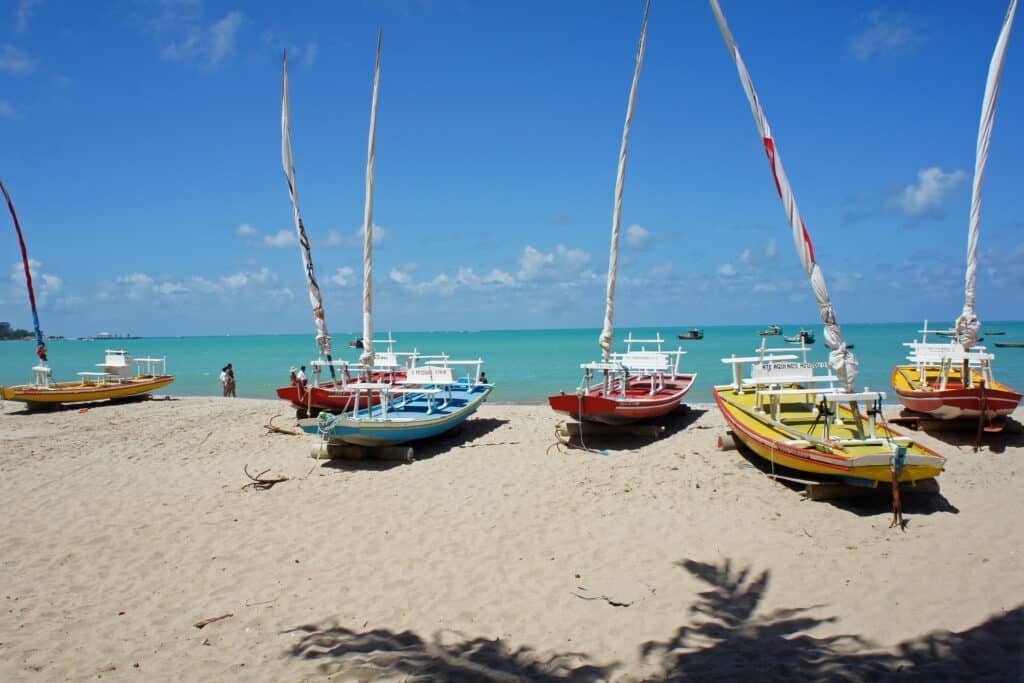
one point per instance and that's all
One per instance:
(323, 338)
(841, 358)
(968, 326)
(366, 358)
(40, 345)
(607, 332)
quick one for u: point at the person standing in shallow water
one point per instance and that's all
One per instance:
(229, 385)
(224, 381)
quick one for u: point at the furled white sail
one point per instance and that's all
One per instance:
(323, 339)
(367, 356)
(607, 332)
(968, 326)
(841, 358)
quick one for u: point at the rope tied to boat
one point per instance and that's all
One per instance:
(325, 423)
(896, 463)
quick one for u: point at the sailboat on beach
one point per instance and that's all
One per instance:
(642, 382)
(120, 376)
(428, 399)
(309, 398)
(786, 412)
(954, 379)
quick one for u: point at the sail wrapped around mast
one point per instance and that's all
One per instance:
(40, 344)
(366, 358)
(968, 327)
(607, 332)
(840, 358)
(323, 338)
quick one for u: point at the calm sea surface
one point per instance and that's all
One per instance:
(526, 365)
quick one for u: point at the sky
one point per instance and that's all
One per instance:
(140, 142)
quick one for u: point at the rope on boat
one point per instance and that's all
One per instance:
(896, 465)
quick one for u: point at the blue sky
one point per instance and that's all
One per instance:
(141, 145)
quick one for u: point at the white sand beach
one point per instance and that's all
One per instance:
(493, 556)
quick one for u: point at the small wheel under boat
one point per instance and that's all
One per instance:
(300, 414)
(314, 411)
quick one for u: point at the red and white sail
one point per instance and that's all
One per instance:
(968, 326)
(607, 332)
(323, 339)
(841, 358)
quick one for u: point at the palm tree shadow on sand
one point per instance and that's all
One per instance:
(381, 653)
(730, 640)
(726, 638)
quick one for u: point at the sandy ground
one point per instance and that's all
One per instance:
(492, 556)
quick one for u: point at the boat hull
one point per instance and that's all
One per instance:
(955, 401)
(328, 395)
(323, 397)
(77, 392)
(413, 423)
(868, 464)
(615, 409)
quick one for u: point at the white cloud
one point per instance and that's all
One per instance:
(246, 230)
(280, 240)
(135, 285)
(7, 110)
(309, 54)
(23, 13)
(884, 32)
(637, 236)
(170, 288)
(235, 281)
(136, 279)
(15, 61)
(334, 239)
(343, 277)
(208, 45)
(562, 264)
(926, 197)
(399, 276)
(260, 277)
(748, 267)
(263, 276)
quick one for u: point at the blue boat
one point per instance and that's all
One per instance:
(428, 402)
(414, 403)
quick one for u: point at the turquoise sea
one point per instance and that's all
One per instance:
(525, 365)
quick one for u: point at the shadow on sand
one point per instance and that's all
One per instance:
(869, 502)
(725, 638)
(608, 438)
(964, 433)
(37, 408)
(466, 435)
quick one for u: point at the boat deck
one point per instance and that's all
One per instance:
(802, 438)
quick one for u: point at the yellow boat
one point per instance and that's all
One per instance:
(115, 380)
(798, 420)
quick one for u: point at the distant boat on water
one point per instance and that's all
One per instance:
(802, 337)
(692, 333)
(771, 331)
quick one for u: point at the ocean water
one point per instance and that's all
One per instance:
(525, 365)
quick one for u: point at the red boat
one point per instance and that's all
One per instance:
(334, 396)
(635, 385)
(616, 407)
